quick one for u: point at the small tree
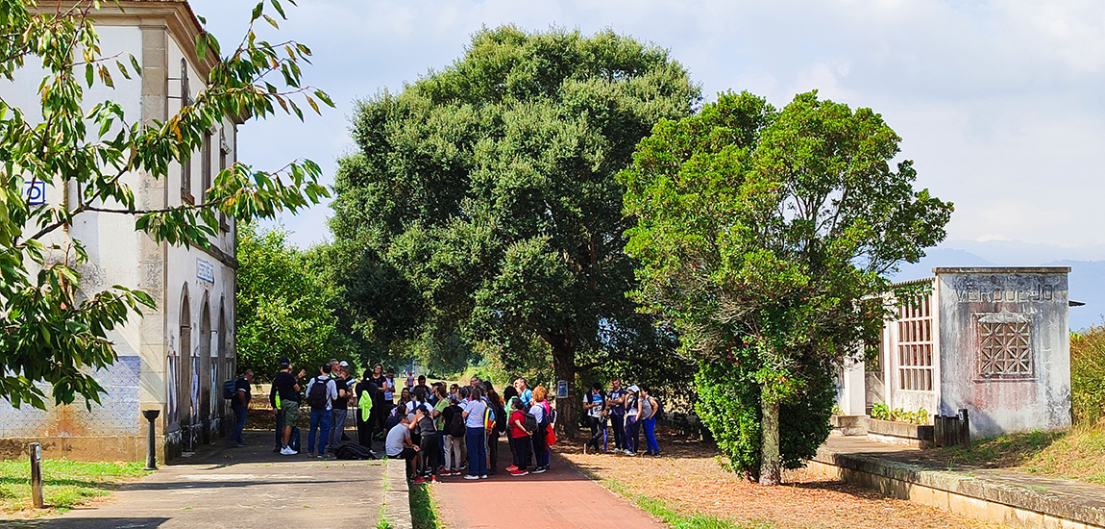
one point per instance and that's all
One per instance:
(766, 237)
(284, 309)
(52, 331)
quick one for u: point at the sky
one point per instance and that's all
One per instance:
(1001, 105)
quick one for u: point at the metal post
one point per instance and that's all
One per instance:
(965, 428)
(36, 475)
(151, 445)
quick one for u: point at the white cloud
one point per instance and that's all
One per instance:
(998, 102)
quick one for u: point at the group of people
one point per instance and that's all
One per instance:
(445, 431)
(455, 431)
(627, 410)
(328, 396)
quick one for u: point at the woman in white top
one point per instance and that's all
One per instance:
(477, 435)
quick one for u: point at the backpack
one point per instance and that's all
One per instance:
(488, 417)
(500, 426)
(659, 408)
(319, 395)
(353, 451)
(530, 423)
(456, 426)
(549, 415)
(229, 389)
(293, 439)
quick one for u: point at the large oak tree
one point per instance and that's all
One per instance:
(491, 186)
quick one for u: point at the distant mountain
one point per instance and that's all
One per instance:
(938, 258)
(1086, 282)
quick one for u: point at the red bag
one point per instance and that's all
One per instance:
(550, 438)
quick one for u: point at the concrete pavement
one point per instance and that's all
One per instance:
(251, 487)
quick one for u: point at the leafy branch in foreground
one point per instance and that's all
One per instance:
(52, 331)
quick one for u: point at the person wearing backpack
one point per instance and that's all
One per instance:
(595, 406)
(367, 400)
(339, 406)
(520, 437)
(239, 403)
(453, 423)
(321, 392)
(649, 410)
(539, 408)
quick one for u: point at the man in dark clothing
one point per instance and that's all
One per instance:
(339, 409)
(285, 400)
(615, 404)
(239, 404)
(366, 389)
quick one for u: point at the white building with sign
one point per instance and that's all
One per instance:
(992, 341)
(175, 358)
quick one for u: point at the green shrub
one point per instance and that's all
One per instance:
(883, 412)
(1087, 375)
(729, 405)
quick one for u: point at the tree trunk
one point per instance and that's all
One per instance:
(567, 410)
(770, 464)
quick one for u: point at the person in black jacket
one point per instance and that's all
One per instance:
(366, 389)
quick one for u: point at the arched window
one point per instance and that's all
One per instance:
(203, 361)
(176, 374)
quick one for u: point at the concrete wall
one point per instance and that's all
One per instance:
(1021, 305)
(159, 35)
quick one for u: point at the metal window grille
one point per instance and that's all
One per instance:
(915, 345)
(1005, 350)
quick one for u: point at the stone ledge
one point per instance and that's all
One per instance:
(397, 501)
(907, 430)
(993, 500)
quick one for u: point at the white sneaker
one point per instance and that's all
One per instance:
(287, 451)
(470, 476)
(484, 476)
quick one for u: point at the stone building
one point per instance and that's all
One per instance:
(993, 341)
(172, 359)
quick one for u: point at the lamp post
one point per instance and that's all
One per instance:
(151, 445)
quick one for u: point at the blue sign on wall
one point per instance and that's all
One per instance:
(35, 193)
(205, 271)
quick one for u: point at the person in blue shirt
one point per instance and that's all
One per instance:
(594, 403)
(524, 393)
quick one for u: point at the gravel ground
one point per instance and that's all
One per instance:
(690, 478)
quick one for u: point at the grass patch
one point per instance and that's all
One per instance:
(66, 484)
(423, 508)
(1003, 451)
(660, 509)
(1078, 453)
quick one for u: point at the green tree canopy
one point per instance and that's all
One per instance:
(766, 238)
(53, 331)
(490, 186)
(284, 306)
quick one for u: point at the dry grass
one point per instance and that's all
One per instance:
(690, 479)
(1077, 454)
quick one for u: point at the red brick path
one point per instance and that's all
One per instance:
(558, 499)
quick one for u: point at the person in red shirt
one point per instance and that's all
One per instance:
(519, 437)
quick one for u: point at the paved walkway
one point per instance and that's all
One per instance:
(558, 499)
(250, 487)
